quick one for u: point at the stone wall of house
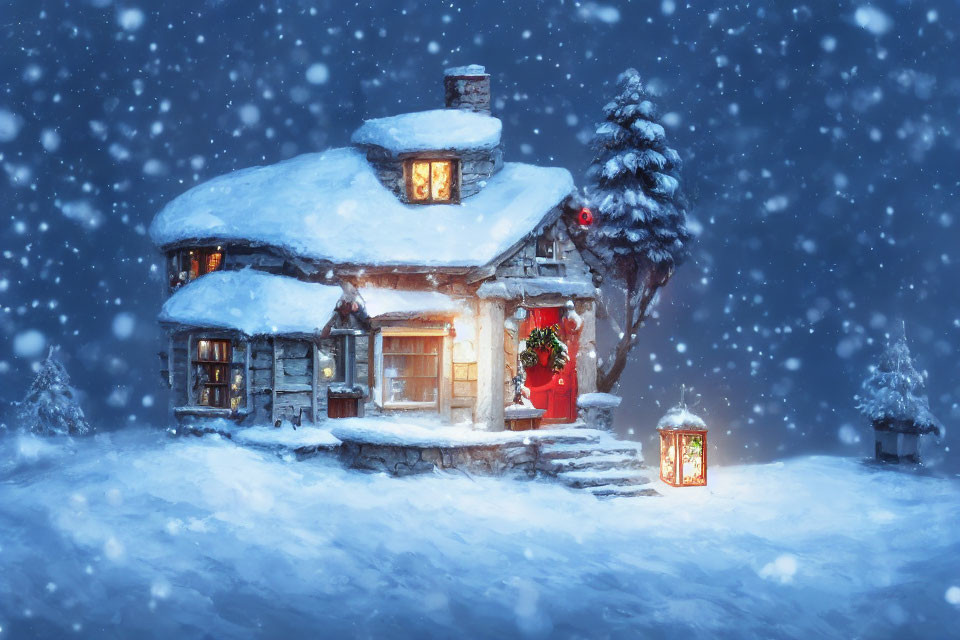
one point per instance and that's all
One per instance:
(280, 377)
(260, 258)
(519, 459)
(566, 264)
(180, 361)
(475, 168)
(260, 381)
(293, 380)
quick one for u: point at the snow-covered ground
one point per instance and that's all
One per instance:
(137, 534)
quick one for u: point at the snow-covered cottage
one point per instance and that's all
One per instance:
(400, 274)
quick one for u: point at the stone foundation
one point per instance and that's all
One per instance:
(492, 460)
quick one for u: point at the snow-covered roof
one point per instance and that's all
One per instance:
(680, 417)
(515, 288)
(258, 303)
(253, 302)
(331, 206)
(382, 302)
(435, 130)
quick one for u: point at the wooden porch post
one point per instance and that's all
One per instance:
(490, 365)
(587, 356)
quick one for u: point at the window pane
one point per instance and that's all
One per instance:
(326, 365)
(411, 368)
(212, 380)
(546, 248)
(214, 259)
(194, 265)
(213, 350)
(420, 180)
(692, 459)
(668, 457)
(440, 180)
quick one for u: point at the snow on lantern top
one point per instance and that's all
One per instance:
(679, 418)
(434, 130)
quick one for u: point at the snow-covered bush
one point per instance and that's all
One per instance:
(641, 234)
(51, 407)
(895, 393)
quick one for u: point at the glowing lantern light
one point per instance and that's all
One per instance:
(585, 217)
(683, 448)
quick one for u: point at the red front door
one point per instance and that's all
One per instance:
(557, 396)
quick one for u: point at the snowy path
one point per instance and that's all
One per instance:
(140, 535)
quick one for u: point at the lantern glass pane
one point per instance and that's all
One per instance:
(693, 459)
(668, 457)
(420, 180)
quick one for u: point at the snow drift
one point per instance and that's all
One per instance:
(135, 534)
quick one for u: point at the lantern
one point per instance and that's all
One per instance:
(585, 217)
(683, 448)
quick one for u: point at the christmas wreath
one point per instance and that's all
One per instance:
(545, 340)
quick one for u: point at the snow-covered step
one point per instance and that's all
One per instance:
(577, 438)
(579, 450)
(597, 461)
(617, 491)
(593, 478)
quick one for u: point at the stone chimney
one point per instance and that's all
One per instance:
(467, 88)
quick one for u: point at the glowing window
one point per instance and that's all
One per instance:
(189, 264)
(217, 378)
(211, 375)
(411, 370)
(432, 181)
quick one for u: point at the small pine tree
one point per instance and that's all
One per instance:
(50, 407)
(641, 235)
(894, 392)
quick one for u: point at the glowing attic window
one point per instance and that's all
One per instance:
(430, 181)
(188, 264)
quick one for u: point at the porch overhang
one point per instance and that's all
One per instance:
(525, 288)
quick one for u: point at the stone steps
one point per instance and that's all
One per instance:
(574, 440)
(585, 478)
(605, 466)
(598, 462)
(574, 451)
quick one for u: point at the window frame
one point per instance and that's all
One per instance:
(381, 378)
(181, 263)
(455, 176)
(237, 361)
(197, 363)
(545, 244)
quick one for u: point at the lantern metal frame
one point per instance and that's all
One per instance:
(675, 437)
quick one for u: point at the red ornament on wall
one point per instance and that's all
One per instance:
(585, 217)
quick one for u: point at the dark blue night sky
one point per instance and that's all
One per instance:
(821, 161)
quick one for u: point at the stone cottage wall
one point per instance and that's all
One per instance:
(519, 459)
(475, 168)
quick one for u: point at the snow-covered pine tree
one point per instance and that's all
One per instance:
(894, 393)
(51, 407)
(641, 235)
